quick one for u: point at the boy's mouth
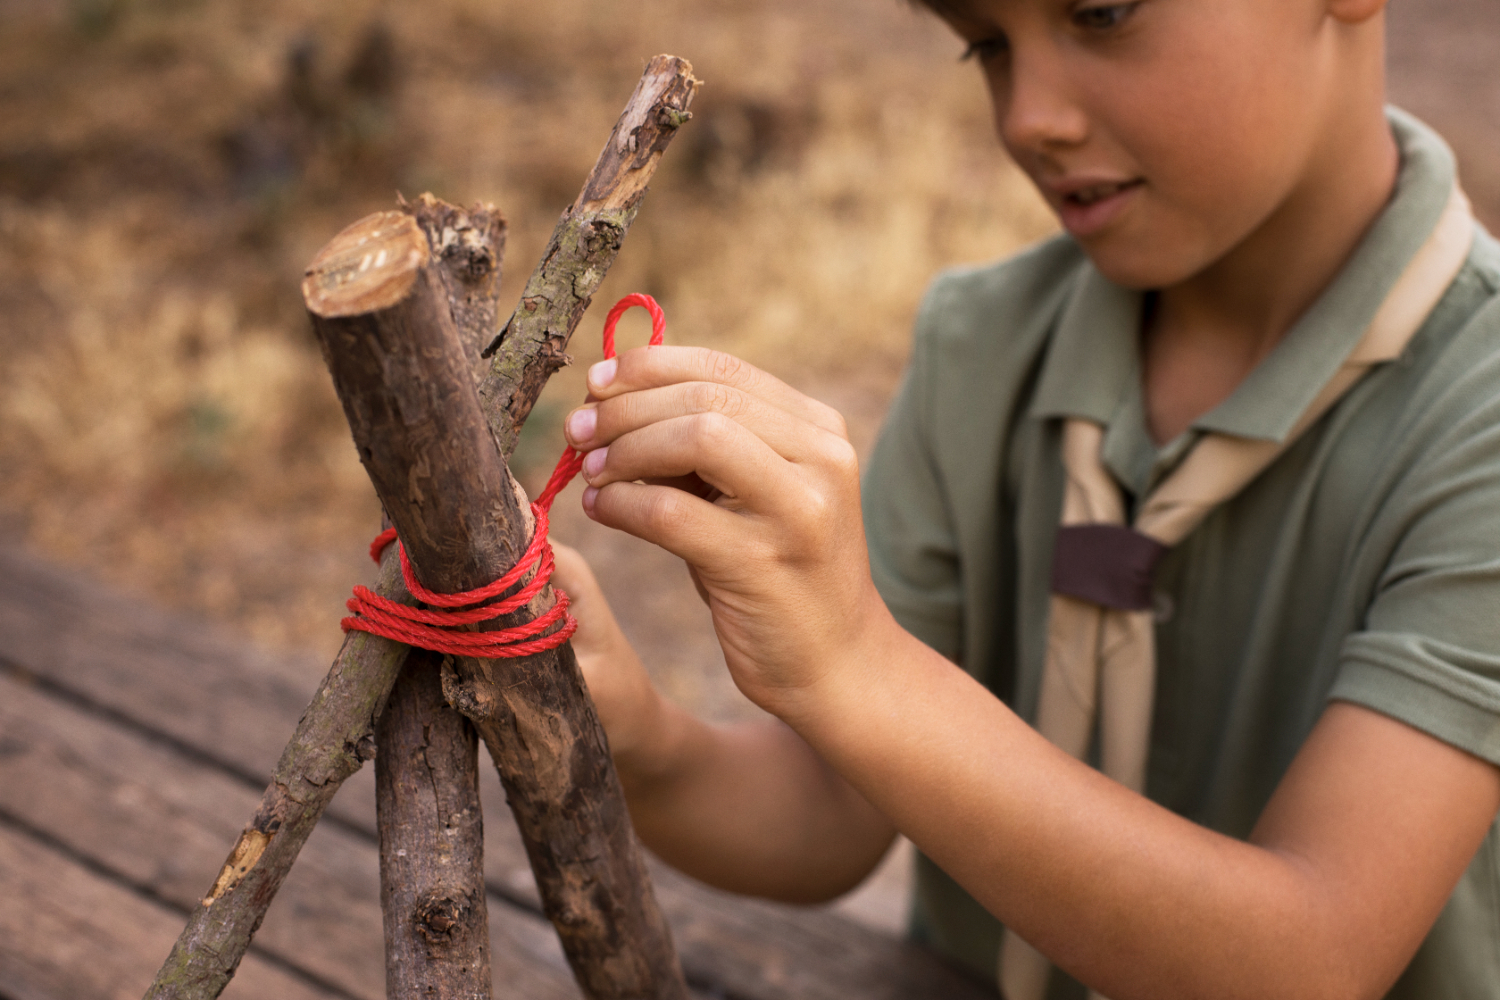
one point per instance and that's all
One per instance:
(1098, 192)
(1085, 209)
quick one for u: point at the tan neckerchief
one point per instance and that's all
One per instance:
(1100, 641)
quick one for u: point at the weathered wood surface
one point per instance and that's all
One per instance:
(332, 740)
(66, 933)
(196, 694)
(148, 815)
(467, 245)
(399, 367)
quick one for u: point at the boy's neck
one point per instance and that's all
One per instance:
(1205, 335)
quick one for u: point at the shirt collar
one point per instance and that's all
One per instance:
(1092, 368)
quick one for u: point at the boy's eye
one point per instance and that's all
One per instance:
(1104, 17)
(987, 50)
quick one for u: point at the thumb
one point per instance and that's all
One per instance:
(596, 622)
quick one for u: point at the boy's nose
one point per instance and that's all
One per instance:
(1037, 110)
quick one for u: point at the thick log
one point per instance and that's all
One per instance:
(382, 269)
(336, 733)
(400, 370)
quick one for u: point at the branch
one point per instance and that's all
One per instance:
(587, 239)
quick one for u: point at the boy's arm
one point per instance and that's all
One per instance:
(1354, 857)
(747, 807)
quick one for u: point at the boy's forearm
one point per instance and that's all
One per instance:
(1124, 894)
(751, 808)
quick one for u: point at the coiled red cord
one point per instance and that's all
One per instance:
(444, 631)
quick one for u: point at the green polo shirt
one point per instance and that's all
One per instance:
(1364, 564)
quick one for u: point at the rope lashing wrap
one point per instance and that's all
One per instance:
(443, 631)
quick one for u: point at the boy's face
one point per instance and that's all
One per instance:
(1163, 133)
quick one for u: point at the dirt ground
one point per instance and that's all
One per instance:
(167, 167)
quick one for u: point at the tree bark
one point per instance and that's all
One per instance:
(336, 734)
(399, 368)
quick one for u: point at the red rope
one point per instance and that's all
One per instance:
(444, 631)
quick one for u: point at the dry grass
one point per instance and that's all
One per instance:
(168, 166)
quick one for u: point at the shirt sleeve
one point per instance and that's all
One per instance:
(908, 527)
(1429, 654)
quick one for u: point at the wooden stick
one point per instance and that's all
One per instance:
(336, 734)
(432, 896)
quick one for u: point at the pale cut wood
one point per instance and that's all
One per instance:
(158, 820)
(141, 660)
(68, 934)
(370, 265)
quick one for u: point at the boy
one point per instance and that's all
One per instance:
(1258, 383)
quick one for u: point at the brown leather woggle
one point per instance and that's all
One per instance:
(1105, 564)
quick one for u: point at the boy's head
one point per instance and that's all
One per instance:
(1165, 133)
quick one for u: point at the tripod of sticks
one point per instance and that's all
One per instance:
(405, 305)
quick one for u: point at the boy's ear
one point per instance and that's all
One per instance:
(1354, 11)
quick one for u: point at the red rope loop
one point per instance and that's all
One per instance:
(445, 631)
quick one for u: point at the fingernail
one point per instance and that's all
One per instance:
(593, 462)
(581, 424)
(602, 373)
(589, 495)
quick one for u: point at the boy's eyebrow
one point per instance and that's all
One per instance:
(941, 7)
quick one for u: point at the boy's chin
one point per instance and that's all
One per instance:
(1142, 265)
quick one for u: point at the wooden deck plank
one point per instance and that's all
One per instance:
(219, 698)
(158, 821)
(67, 933)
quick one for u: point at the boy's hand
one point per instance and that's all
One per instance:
(776, 540)
(629, 707)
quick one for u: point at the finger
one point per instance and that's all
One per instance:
(690, 484)
(651, 367)
(721, 452)
(595, 426)
(700, 533)
(698, 584)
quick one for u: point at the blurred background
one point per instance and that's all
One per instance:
(168, 167)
